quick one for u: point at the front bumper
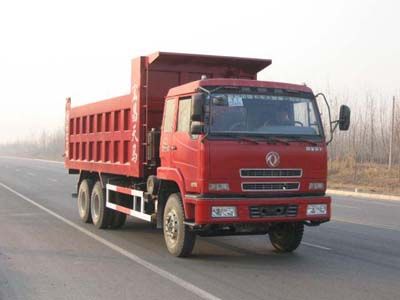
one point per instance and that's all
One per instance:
(202, 209)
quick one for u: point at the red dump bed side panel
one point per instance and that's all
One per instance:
(98, 136)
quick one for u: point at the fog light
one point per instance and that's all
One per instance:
(316, 186)
(218, 186)
(223, 212)
(317, 209)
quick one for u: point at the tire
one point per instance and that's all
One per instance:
(179, 239)
(286, 237)
(101, 215)
(83, 202)
(118, 218)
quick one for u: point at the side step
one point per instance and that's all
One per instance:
(137, 195)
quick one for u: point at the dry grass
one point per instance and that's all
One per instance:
(346, 174)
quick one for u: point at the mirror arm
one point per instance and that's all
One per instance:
(204, 137)
(336, 125)
(204, 90)
(330, 118)
(208, 96)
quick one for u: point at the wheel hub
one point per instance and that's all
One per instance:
(171, 225)
(281, 231)
(96, 207)
(82, 203)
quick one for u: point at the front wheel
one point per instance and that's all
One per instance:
(179, 239)
(286, 237)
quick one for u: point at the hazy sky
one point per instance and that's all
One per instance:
(53, 49)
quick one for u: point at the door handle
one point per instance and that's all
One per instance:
(172, 148)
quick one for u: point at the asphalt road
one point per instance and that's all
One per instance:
(47, 253)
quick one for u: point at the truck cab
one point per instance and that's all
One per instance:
(245, 152)
(241, 143)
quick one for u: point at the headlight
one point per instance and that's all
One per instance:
(317, 209)
(223, 212)
(316, 186)
(218, 186)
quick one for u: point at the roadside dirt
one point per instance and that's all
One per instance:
(365, 177)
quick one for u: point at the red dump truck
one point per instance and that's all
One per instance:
(201, 147)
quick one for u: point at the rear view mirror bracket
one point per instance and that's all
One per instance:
(344, 118)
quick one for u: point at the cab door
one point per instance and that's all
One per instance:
(167, 131)
(185, 152)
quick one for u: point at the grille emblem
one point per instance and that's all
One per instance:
(272, 159)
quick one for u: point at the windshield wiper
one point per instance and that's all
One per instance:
(300, 139)
(239, 137)
(247, 139)
(275, 139)
(271, 139)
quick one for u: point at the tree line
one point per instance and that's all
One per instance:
(49, 144)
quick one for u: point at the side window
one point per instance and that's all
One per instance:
(169, 116)
(185, 106)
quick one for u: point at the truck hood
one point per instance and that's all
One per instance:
(244, 166)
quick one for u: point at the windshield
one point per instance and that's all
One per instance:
(264, 113)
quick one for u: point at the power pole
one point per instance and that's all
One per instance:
(391, 136)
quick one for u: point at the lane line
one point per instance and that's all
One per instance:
(375, 225)
(316, 246)
(165, 274)
(52, 179)
(31, 174)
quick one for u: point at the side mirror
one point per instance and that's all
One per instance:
(344, 117)
(198, 101)
(196, 128)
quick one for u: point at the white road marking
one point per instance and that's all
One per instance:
(52, 179)
(345, 206)
(16, 170)
(316, 246)
(31, 174)
(165, 274)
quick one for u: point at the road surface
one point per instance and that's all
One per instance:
(46, 252)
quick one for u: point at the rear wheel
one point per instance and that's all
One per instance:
(84, 193)
(286, 237)
(179, 239)
(101, 215)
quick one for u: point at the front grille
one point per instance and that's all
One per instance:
(270, 173)
(270, 186)
(273, 211)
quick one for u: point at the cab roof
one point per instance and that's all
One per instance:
(192, 87)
